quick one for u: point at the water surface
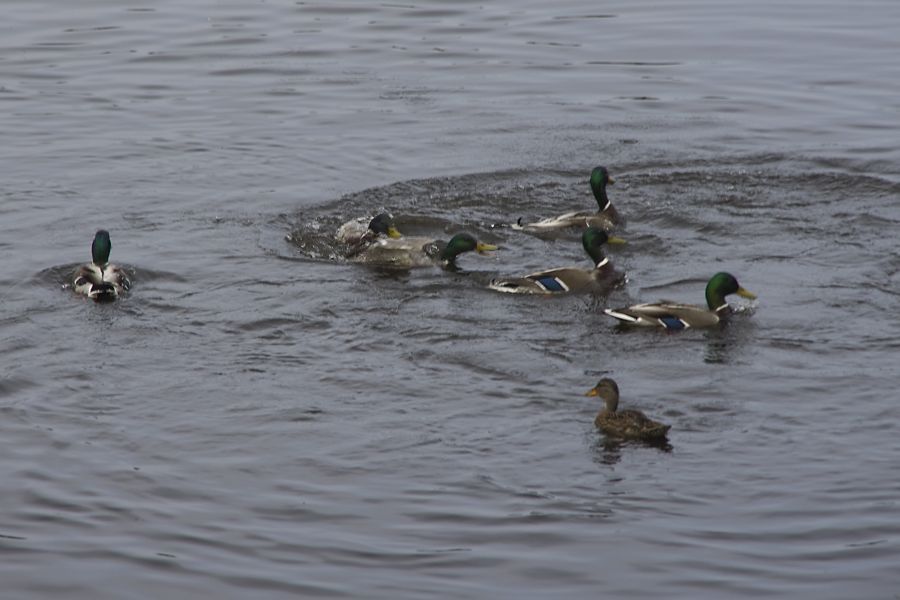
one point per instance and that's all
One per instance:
(260, 417)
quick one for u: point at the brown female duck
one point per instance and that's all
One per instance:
(624, 424)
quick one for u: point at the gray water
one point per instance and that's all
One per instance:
(262, 419)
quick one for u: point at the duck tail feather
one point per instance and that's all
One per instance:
(620, 315)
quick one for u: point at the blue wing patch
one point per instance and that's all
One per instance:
(672, 323)
(551, 284)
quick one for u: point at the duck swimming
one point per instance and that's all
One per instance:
(99, 280)
(606, 217)
(625, 424)
(570, 279)
(358, 237)
(409, 252)
(675, 317)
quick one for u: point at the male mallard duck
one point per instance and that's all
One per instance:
(352, 231)
(674, 316)
(605, 218)
(358, 238)
(569, 279)
(99, 280)
(625, 424)
(408, 252)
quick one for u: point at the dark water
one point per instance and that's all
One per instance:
(259, 419)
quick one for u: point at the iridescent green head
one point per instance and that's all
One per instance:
(463, 242)
(593, 239)
(101, 247)
(383, 223)
(721, 285)
(607, 389)
(599, 180)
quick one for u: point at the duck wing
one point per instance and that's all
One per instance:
(401, 253)
(552, 281)
(631, 425)
(668, 315)
(352, 231)
(569, 219)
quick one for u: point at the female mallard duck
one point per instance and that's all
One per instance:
(569, 279)
(625, 424)
(99, 280)
(408, 252)
(358, 239)
(674, 316)
(605, 218)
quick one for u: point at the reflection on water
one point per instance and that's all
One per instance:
(607, 451)
(727, 343)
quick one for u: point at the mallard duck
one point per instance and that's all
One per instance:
(408, 252)
(605, 218)
(381, 224)
(569, 279)
(357, 236)
(99, 280)
(625, 424)
(674, 316)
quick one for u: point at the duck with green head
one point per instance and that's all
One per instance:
(624, 424)
(605, 218)
(674, 316)
(358, 238)
(409, 252)
(99, 280)
(567, 280)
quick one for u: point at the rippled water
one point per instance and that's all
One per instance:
(260, 418)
